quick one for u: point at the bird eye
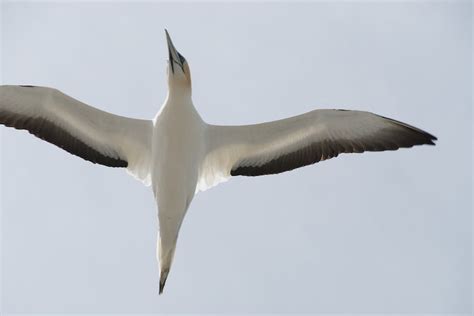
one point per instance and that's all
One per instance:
(181, 58)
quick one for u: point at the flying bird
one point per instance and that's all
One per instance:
(178, 154)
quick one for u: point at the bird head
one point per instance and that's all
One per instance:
(179, 75)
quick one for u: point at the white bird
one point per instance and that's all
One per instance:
(179, 154)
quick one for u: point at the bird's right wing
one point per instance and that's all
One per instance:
(283, 145)
(78, 128)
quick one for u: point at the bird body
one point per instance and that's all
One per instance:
(179, 154)
(178, 149)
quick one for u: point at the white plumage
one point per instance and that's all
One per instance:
(178, 154)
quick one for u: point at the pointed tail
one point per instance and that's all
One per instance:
(165, 254)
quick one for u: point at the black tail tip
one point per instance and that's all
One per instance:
(162, 284)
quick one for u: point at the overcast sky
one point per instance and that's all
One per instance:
(377, 232)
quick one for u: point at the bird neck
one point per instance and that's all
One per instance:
(179, 97)
(180, 92)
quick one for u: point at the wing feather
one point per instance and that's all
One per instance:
(84, 131)
(279, 146)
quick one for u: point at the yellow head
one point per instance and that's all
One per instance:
(179, 75)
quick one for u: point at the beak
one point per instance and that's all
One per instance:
(173, 53)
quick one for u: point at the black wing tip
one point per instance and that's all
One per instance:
(429, 138)
(421, 138)
(432, 141)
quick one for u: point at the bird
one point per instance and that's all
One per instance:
(178, 154)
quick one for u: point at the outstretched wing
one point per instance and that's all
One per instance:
(82, 130)
(279, 146)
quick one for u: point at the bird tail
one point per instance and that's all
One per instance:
(165, 254)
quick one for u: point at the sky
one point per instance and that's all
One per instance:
(378, 232)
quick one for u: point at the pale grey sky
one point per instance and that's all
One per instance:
(377, 232)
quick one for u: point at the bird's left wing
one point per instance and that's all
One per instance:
(78, 128)
(283, 145)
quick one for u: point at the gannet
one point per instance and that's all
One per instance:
(178, 154)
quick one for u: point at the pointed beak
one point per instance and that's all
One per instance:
(173, 53)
